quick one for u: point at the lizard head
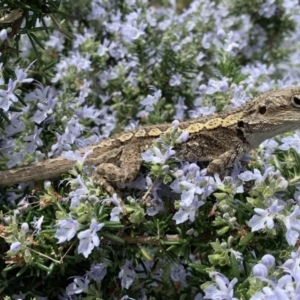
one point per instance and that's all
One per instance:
(270, 114)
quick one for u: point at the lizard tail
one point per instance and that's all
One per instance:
(37, 171)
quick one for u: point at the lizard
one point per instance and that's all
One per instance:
(220, 139)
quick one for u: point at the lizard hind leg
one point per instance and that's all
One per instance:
(128, 166)
(98, 179)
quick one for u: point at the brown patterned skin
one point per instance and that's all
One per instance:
(220, 139)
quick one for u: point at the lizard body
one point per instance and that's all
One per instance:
(221, 139)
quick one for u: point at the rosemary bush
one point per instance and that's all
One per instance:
(73, 73)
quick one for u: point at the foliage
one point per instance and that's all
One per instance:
(75, 72)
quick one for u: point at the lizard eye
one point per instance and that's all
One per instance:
(296, 100)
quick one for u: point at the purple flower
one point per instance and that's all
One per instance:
(157, 205)
(15, 159)
(46, 102)
(178, 274)
(7, 97)
(67, 230)
(34, 140)
(73, 130)
(16, 125)
(89, 238)
(98, 271)
(58, 147)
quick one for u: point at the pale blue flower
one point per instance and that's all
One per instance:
(79, 286)
(268, 260)
(187, 212)
(37, 224)
(21, 75)
(77, 155)
(66, 230)
(264, 218)
(3, 34)
(131, 33)
(222, 289)
(19, 296)
(15, 247)
(115, 212)
(255, 175)
(89, 238)
(232, 41)
(25, 227)
(180, 109)
(267, 8)
(291, 142)
(80, 193)
(217, 86)
(127, 275)
(206, 40)
(156, 156)
(175, 80)
(292, 224)
(260, 270)
(178, 274)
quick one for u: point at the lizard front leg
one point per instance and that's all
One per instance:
(224, 161)
(123, 170)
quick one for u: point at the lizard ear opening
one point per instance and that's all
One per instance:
(296, 100)
(262, 110)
